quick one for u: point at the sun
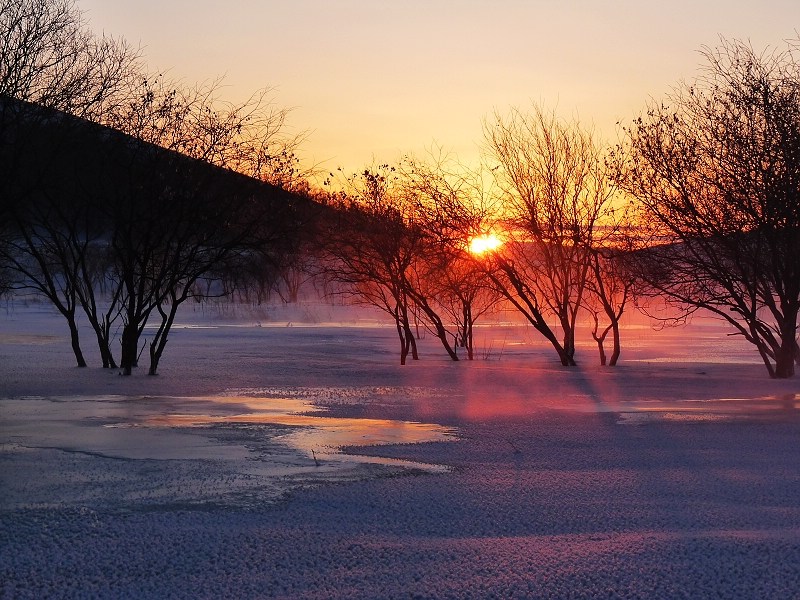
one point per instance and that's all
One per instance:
(486, 242)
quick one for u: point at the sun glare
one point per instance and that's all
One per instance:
(484, 243)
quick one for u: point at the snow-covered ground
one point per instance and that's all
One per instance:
(674, 475)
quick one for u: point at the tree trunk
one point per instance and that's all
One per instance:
(568, 346)
(526, 304)
(469, 344)
(130, 342)
(617, 345)
(785, 356)
(100, 322)
(103, 335)
(601, 350)
(76, 345)
(105, 354)
(538, 322)
(68, 312)
(599, 338)
(468, 327)
(405, 332)
(160, 340)
(441, 333)
(763, 349)
(412, 342)
(786, 353)
(784, 363)
(566, 359)
(105, 349)
(404, 341)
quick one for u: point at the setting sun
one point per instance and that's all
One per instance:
(484, 243)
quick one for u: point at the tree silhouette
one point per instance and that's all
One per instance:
(716, 170)
(556, 192)
(452, 204)
(370, 248)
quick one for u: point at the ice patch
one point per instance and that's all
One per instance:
(125, 452)
(773, 408)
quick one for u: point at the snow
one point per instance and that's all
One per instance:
(284, 453)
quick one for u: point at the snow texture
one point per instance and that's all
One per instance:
(288, 455)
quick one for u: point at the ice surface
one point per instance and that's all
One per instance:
(220, 450)
(163, 489)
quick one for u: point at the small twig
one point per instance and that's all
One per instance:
(516, 450)
(314, 456)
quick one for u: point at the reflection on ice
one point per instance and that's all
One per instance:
(202, 451)
(720, 409)
(314, 435)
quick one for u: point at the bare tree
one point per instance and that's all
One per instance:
(610, 286)
(97, 209)
(48, 56)
(294, 274)
(371, 248)
(452, 205)
(47, 225)
(178, 214)
(556, 192)
(265, 148)
(144, 206)
(717, 172)
(50, 64)
(397, 251)
(462, 295)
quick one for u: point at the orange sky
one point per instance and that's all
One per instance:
(377, 79)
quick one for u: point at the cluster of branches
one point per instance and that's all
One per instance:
(49, 57)
(125, 194)
(715, 171)
(563, 229)
(396, 242)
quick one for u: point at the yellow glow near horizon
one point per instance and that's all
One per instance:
(486, 242)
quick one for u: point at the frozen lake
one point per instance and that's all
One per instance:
(674, 475)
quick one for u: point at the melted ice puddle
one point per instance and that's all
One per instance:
(126, 452)
(320, 438)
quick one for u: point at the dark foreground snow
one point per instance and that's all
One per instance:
(661, 479)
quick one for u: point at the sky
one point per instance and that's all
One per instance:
(371, 80)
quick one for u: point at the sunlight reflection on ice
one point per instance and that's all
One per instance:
(125, 452)
(315, 436)
(716, 410)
